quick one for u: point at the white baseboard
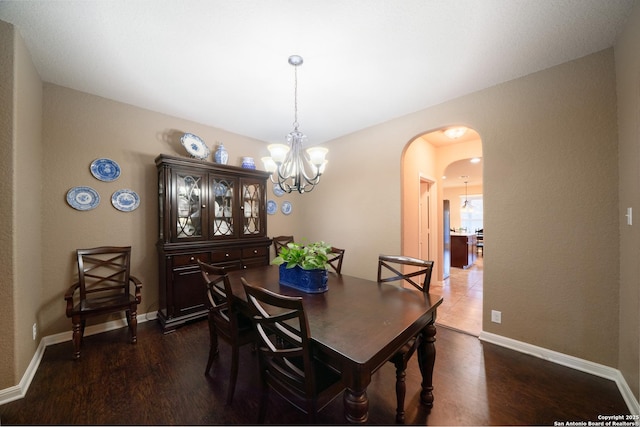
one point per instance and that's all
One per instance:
(571, 362)
(19, 391)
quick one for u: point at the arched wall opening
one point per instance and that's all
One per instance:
(423, 164)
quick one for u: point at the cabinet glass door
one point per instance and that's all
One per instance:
(252, 206)
(188, 209)
(223, 223)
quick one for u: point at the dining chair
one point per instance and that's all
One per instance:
(394, 268)
(104, 286)
(335, 257)
(280, 242)
(224, 321)
(287, 364)
(480, 241)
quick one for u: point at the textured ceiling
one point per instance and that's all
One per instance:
(223, 63)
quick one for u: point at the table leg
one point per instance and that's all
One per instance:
(426, 361)
(356, 406)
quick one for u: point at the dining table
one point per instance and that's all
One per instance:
(356, 326)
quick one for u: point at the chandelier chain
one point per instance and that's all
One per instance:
(295, 97)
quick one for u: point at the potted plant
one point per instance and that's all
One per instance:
(304, 267)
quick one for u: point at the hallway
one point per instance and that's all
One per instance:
(462, 305)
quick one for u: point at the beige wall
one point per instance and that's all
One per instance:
(20, 186)
(28, 210)
(79, 128)
(8, 368)
(628, 89)
(418, 165)
(550, 192)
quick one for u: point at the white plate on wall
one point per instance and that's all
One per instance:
(277, 190)
(83, 198)
(272, 207)
(125, 200)
(105, 169)
(286, 208)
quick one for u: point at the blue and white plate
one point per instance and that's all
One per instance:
(83, 198)
(272, 207)
(195, 146)
(125, 200)
(286, 208)
(277, 190)
(219, 189)
(105, 169)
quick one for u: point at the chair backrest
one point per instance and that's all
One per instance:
(280, 242)
(397, 268)
(220, 300)
(335, 257)
(283, 333)
(103, 271)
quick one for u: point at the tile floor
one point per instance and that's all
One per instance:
(461, 308)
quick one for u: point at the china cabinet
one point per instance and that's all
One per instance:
(212, 212)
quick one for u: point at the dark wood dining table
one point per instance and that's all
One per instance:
(356, 326)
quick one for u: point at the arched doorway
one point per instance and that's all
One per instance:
(424, 187)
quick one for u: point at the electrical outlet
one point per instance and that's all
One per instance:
(496, 316)
(35, 331)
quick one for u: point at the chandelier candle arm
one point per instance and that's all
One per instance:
(292, 168)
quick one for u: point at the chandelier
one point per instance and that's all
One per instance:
(291, 167)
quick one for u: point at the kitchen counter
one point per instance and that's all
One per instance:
(463, 249)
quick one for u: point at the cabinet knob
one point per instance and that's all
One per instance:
(227, 255)
(255, 251)
(244, 267)
(192, 259)
(204, 206)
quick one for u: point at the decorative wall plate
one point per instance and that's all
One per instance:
(277, 190)
(195, 146)
(83, 198)
(286, 208)
(105, 169)
(125, 200)
(272, 207)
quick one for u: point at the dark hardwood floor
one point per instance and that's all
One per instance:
(161, 381)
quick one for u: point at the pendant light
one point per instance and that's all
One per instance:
(466, 206)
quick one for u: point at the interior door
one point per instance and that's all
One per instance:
(424, 228)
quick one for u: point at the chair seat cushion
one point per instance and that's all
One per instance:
(104, 302)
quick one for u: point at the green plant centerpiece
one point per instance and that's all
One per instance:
(304, 267)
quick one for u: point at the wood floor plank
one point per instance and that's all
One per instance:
(161, 381)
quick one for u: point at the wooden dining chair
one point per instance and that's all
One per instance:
(224, 321)
(416, 272)
(334, 258)
(480, 241)
(104, 286)
(280, 242)
(287, 364)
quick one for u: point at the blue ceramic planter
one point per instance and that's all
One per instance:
(310, 281)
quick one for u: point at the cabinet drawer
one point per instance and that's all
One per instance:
(254, 252)
(225, 255)
(253, 262)
(189, 259)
